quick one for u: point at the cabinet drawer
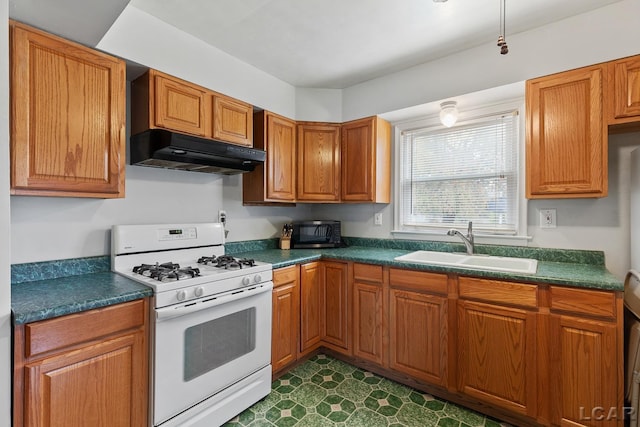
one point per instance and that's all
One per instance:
(497, 291)
(367, 273)
(583, 301)
(286, 275)
(66, 331)
(418, 280)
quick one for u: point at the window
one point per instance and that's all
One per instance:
(450, 176)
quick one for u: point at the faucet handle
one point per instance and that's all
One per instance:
(470, 229)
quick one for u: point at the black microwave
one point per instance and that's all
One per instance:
(316, 234)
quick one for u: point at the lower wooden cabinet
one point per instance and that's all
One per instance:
(368, 311)
(418, 326)
(311, 306)
(286, 317)
(585, 364)
(335, 319)
(83, 369)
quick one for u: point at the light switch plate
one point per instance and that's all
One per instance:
(548, 218)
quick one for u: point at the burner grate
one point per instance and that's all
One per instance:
(167, 271)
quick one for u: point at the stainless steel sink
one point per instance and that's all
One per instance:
(473, 262)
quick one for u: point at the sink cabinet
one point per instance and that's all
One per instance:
(67, 112)
(566, 134)
(497, 343)
(83, 369)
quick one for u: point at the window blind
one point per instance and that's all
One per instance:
(451, 176)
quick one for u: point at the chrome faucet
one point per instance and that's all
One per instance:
(467, 240)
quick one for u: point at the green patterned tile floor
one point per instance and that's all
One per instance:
(327, 392)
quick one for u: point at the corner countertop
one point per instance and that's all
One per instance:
(575, 274)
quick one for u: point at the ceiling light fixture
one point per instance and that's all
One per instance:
(439, 1)
(502, 42)
(448, 113)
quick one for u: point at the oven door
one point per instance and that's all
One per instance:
(203, 346)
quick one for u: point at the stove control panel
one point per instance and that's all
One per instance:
(177, 234)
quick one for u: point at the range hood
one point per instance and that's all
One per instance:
(165, 149)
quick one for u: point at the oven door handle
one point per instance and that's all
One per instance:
(211, 301)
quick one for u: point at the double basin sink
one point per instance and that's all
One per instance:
(472, 262)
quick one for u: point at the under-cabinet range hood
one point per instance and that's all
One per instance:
(165, 149)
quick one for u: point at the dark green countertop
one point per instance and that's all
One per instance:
(48, 298)
(582, 275)
(54, 288)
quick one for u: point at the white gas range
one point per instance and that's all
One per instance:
(211, 320)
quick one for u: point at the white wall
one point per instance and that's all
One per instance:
(5, 226)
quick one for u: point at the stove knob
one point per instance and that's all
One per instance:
(199, 291)
(182, 295)
(257, 278)
(246, 281)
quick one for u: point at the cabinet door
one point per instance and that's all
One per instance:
(98, 385)
(418, 335)
(286, 316)
(497, 355)
(584, 372)
(368, 312)
(626, 87)
(318, 162)
(366, 161)
(335, 332)
(232, 121)
(566, 135)
(179, 106)
(67, 118)
(311, 303)
(281, 159)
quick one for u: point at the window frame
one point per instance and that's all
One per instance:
(469, 115)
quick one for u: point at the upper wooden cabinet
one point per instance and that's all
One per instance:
(159, 100)
(566, 134)
(67, 117)
(274, 181)
(366, 161)
(318, 162)
(624, 90)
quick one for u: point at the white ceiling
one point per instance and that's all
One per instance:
(316, 43)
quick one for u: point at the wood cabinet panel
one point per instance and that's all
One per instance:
(566, 137)
(624, 90)
(368, 322)
(179, 106)
(275, 180)
(318, 162)
(286, 317)
(585, 374)
(497, 291)
(583, 301)
(67, 117)
(232, 120)
(497, 355)
(366, 161)
(418, 333)
(311, 306)
(335, 319)
(420, 281)
(99, 380)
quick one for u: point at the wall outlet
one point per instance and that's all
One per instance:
(222, 217)
(377, 219)
(548, 218)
